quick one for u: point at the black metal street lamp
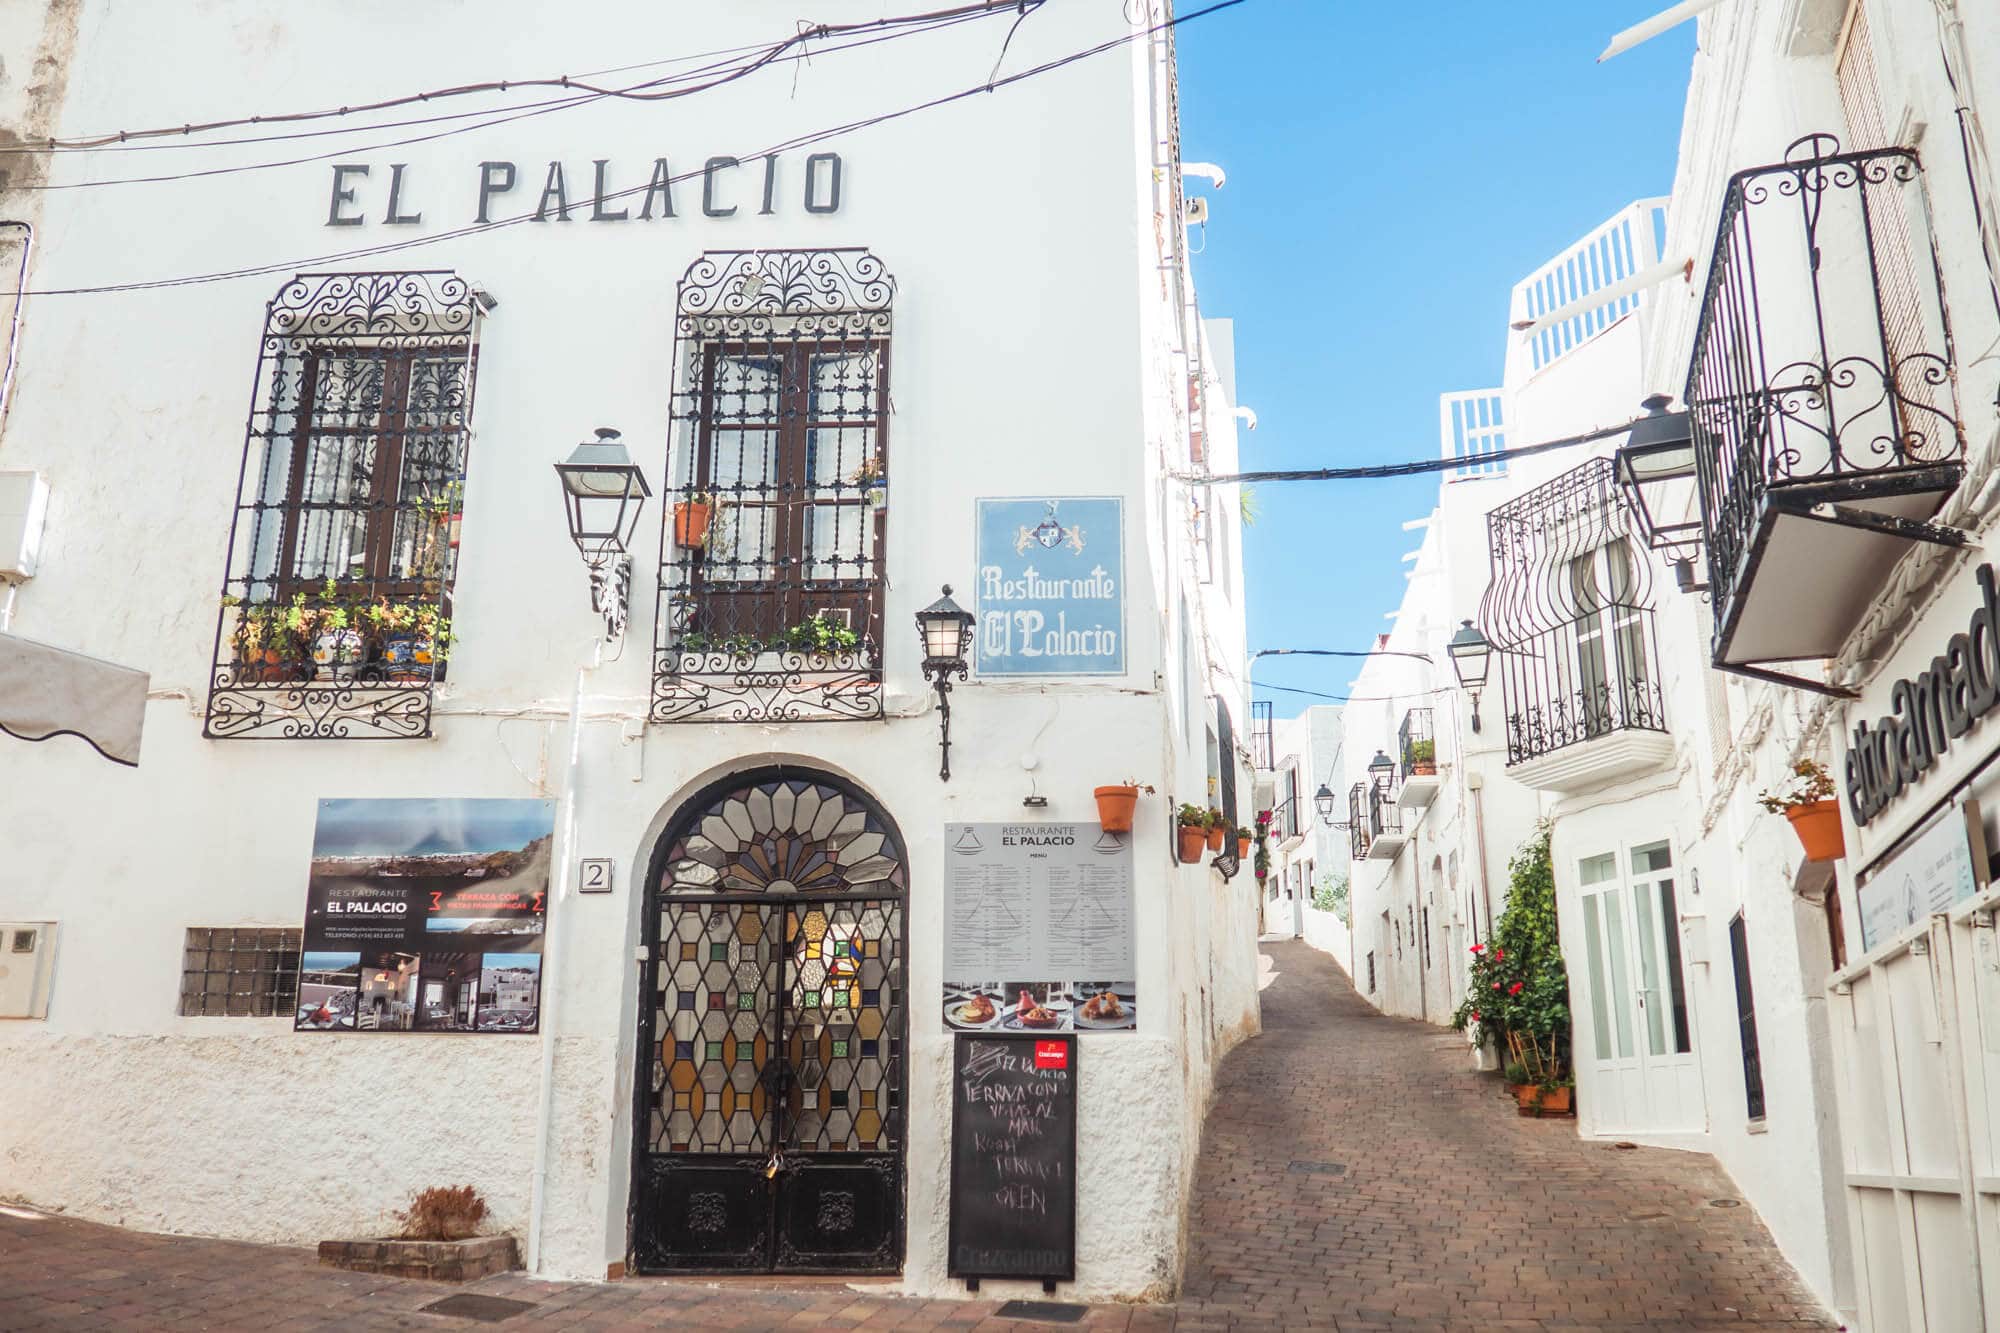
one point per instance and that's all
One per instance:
(1381, 769)
(1656, 470)
(604, 490)
(946, 631)
(1323, 801)
(1471, 655)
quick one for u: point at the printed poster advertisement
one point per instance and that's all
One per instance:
(426, 915)
(1930, 874)
(1051, 594)
(1038, 929)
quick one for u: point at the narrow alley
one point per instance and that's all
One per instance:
(1354, 1176)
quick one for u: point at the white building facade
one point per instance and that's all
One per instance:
(1800, 577)
(431, 320)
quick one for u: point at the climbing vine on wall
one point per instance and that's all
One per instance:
(1519, 986)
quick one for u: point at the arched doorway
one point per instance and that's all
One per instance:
(769, 1127)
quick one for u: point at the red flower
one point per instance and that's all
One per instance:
(1475, 1015)
(1499, 954)
(1496, 985)
(1515, 989)
(1479, 948)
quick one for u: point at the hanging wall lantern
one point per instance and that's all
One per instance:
(946, 631)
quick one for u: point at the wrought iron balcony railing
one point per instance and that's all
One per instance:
(1821, 384)
(771, 571)
(1360, 830)
(1385, 817)
(1263, 754)
(1416, 743)
(1569, 610)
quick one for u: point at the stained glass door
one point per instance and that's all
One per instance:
(769, 1130)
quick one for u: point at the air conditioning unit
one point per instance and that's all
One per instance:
(27, 968)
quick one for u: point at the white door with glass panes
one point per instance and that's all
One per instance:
(1634, 1034)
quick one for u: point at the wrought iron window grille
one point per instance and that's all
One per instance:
(771, 555)
(240, 973)
(1822, 379)
(1385, 817)
(1570, 611)
(1360, 825)
(335, 616)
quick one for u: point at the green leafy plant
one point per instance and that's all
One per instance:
(1423, 752)
(1331, 895)
(1216, 819)
(1247, 507)
(1519, 986)
(1809, 784)
(869, 473)
(1514, 1072)
(821, 633)
(1191, 816)
(1262, 863)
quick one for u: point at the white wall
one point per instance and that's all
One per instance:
(1035, 352)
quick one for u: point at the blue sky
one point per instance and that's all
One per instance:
(1393, 170)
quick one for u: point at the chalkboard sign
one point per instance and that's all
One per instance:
(1013, 1157)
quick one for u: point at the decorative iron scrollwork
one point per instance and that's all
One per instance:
(1824, 351)
(707, 1213)
(836, 1213)
(771, 570)
(336, 600)
(1570, 610)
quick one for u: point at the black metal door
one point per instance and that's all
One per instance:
(769, 1136)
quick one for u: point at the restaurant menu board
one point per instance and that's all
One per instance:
(1013, 1157)
(425, 915)
(1038, 929)
(1935, 869)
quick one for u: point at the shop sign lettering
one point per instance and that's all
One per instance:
(602, 191)
(1927, 712)
(1051, 596)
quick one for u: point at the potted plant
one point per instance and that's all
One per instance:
(873, 481)
(691, 520)
(1518, 987)
(1423, 759)
(1807, 800)
(1116, 803)
(821, 635)
(1192, 829)
(1262, 862)
(262, 647)
(1217, 829)
(1244, 837)
(415, 638)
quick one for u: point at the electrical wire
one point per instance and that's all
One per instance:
(1380, 470)
(1353, 698)
(493, 116)
(771, 51)
(800, 141)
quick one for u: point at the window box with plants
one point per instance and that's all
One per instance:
(1423, 759)
(1807, 799)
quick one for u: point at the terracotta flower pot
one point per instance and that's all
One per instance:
(1818, 827)
(691, 523)
(1424, 768)
(1242, 848)
(1533, 1100)
(1193, 838)
(1115, 806)
(1215, 837)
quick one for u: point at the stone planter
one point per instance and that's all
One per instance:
(437, 1260)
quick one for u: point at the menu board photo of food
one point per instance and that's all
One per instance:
(1040, 1006)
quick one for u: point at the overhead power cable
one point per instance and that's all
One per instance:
(499, 115)
(637, 92)
(1380, 470)
(1338, 652)
(800, 141)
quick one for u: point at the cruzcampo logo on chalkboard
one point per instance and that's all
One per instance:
(1051, 594)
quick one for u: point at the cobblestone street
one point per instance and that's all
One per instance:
(1355, 1176)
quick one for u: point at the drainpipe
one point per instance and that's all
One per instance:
(557, 916)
